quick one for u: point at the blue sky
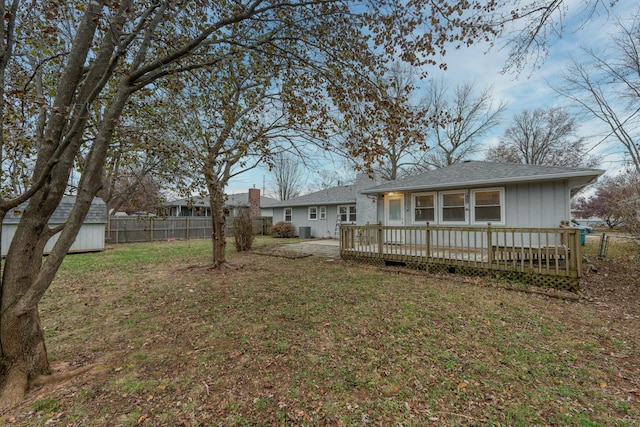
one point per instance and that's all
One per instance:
(527, 90)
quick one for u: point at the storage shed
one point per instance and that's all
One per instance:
(90, 238)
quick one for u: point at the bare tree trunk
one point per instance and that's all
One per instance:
(22, 345)
(26, 278)
(25, 353)
(218, 224)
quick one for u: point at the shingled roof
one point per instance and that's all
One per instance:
(233, 200)
(242, 199)
(97, 212)
(345, 194)
(476, 173)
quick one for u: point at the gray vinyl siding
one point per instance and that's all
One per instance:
(527, 205)
(366, 209)
(332, 198)
(531, 196)
(537, 204)
(380, 209)
(320, 228)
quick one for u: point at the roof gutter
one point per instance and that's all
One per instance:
(495, 181)
(282, 204)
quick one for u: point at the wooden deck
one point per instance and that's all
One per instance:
(549, 256)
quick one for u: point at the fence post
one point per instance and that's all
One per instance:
(489, 244)
(187, 232)
(604, 243)
(380, 239)
(151, 229)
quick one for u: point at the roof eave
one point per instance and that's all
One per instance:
(314, 203)
(593, 176)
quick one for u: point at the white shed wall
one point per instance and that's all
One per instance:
(90, 238)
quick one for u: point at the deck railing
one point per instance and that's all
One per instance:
(552, 252)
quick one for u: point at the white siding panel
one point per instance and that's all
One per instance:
(8, 231)
(90, 238)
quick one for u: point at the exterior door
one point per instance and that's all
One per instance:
(394, 216)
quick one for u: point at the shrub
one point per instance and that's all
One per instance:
(282, 229)
(243, 234)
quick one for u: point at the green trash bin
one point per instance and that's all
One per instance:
(583, 236)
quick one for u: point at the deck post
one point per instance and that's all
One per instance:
(489, 245)
(352, 237)
(579, 252)
(521, 250)
(575, 252)
(428, 245)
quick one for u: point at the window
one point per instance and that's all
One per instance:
(322, 212)
(313, 213)
(288, 214)
(424, 207)
(488, 205)
(347, 213)
(394, 209)
(453, 207)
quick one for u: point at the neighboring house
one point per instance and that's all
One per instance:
(196, 206)
(260, 206)
(471, 193)
(90, 238)
(189, 206)
(475, 193)
(323, 211)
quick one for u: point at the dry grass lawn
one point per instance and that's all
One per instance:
(317, 342)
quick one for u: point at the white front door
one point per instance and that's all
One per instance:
(394, 216)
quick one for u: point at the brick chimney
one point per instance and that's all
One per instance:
(254, 203)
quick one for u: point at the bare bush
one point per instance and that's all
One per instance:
(243, 233)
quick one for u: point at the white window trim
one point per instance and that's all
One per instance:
(322, 212)
(441, 206)
(309, 213)
(348, 221)
(472, 206)
(284, 214)
(435, 207)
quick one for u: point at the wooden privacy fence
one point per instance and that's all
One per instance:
(542, 256)
(128, 229)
